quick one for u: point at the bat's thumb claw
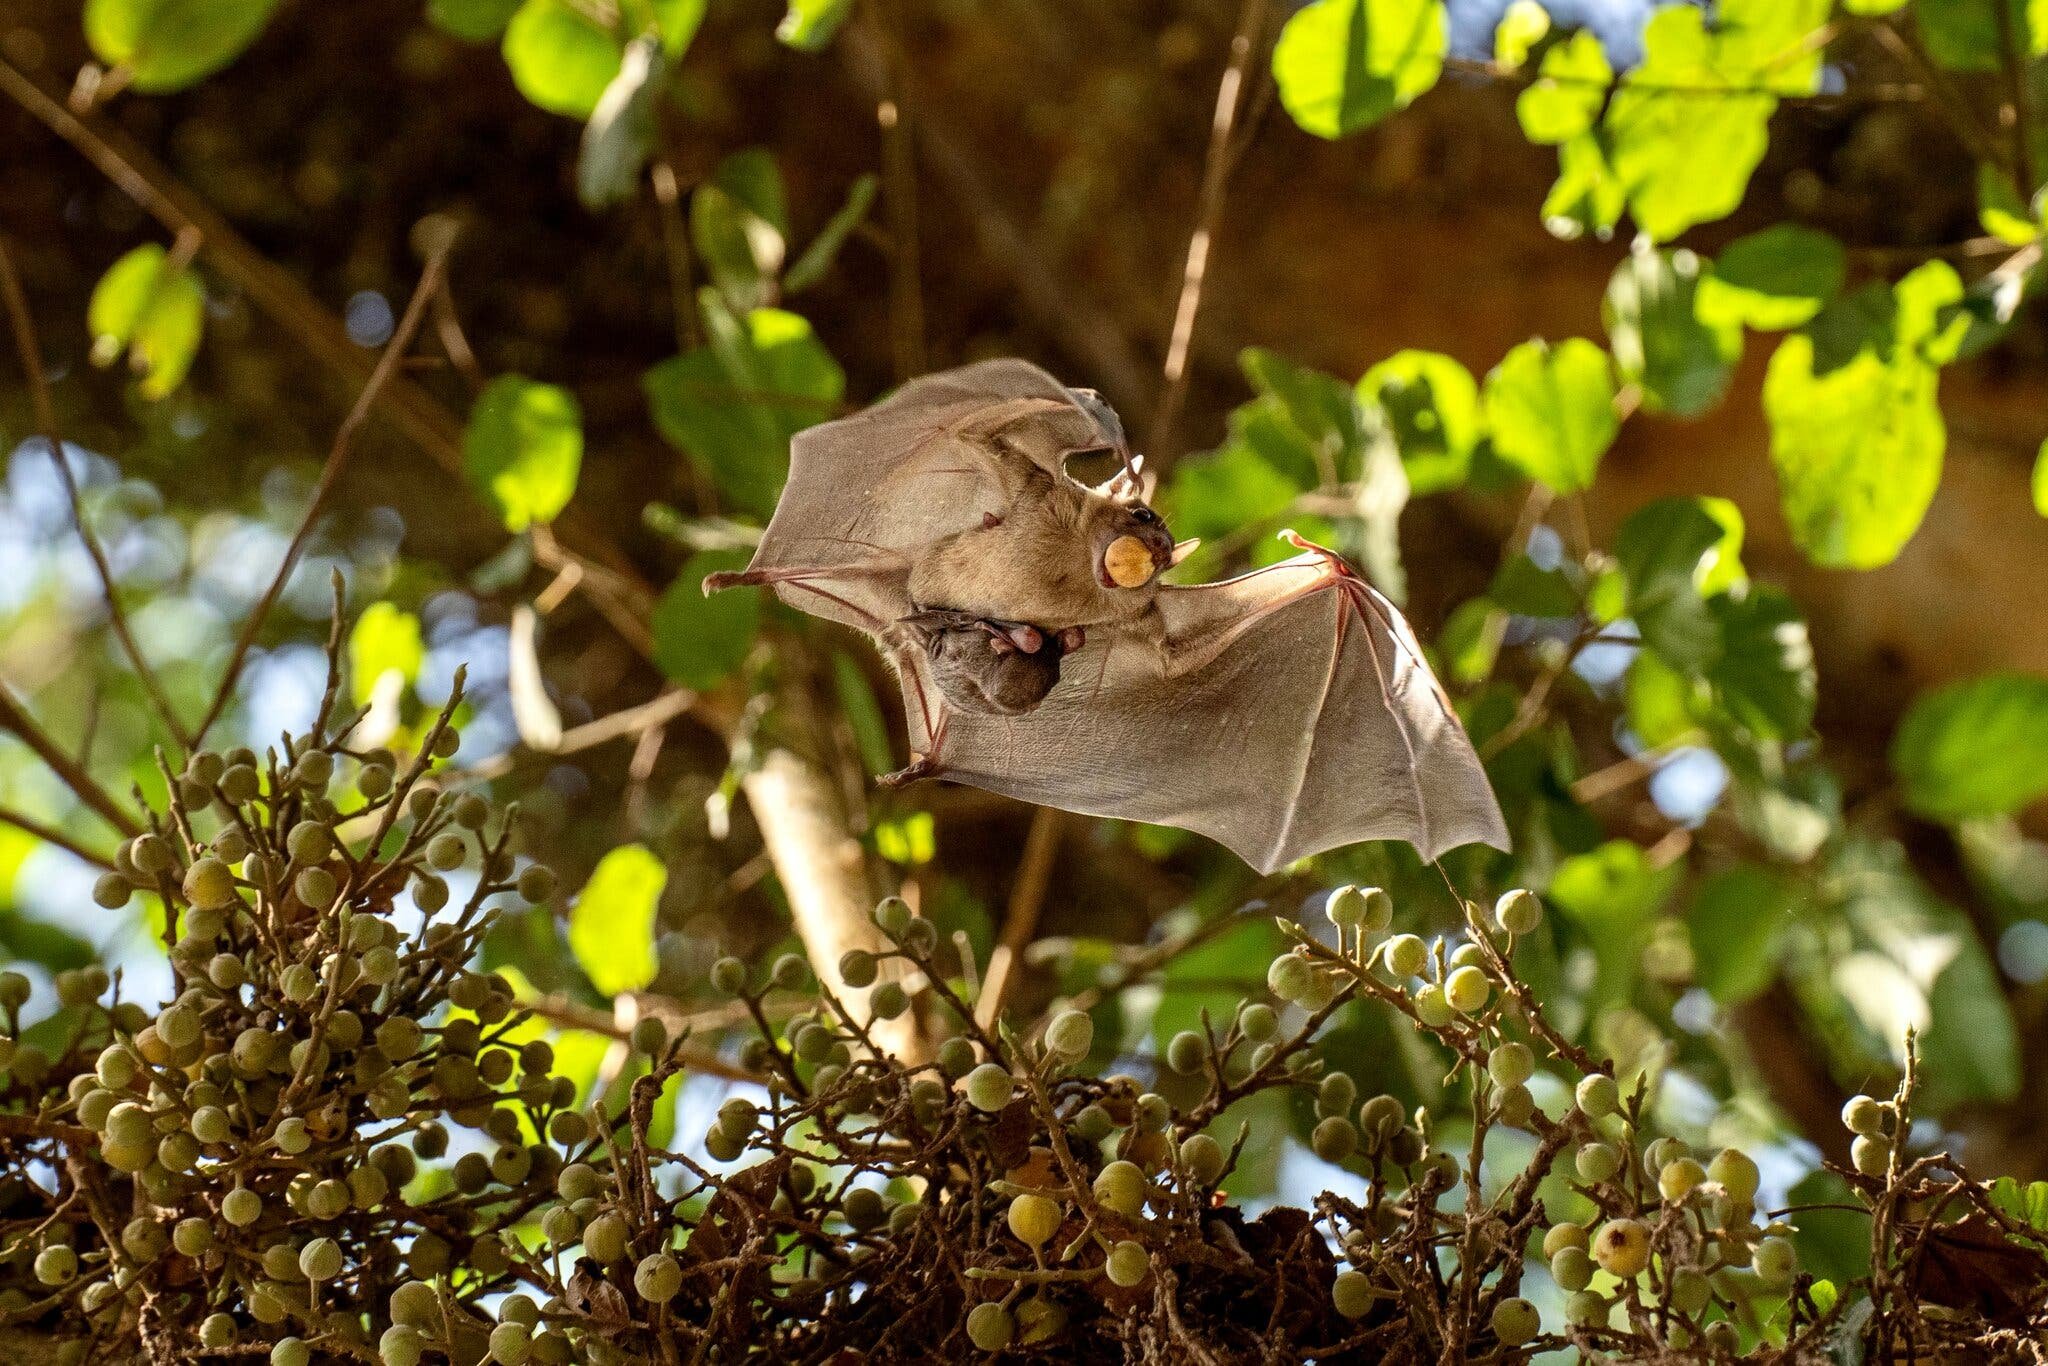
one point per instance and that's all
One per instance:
(1183, 549)
(725, 578)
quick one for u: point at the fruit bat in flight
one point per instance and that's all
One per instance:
(1283, 712)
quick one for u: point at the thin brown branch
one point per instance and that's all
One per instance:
(899, 176)
(2017, 112)
(1209, 201)
(14, 717)
(50, 834)
(1027, 899)
(46, 419)
(330, 472)
(638, 720)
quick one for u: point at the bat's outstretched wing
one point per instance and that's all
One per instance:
(866, 492)
(1285, 712)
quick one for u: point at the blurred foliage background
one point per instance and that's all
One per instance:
(1676, 367)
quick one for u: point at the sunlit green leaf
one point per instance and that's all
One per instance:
(1738, 920)
(2027, 1203)
(733, 405)
(863, 713)
(699, 640)
(2000, 209)
(1963, 35)
(810, 24)
(1566, 97)
(1523, 587)
(1470, 640)
(908, 840)
(1343, 65)
(153, 313)
(620, 134)
(1774, 279)
(1588, 196)
(168, 44)
(523, 449)
(1662, 548)
(478, 21)
(2041, 480)
(1660, 701)
(560, 57)
(611, 926)
(1551, 411)
(1431, 406)
(1525, 24)
(824, 248)
(385, 640)
(1977, 748)
(1763, 676)
(1214, 494)
(676, 23)
(1680, 362)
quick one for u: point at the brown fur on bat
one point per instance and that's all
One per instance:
(1283, 712)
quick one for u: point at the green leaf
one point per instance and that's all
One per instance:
(676, 22)
(810, 24)
(733, 405)
(1772, 280)
(1663, 548)
(1661, 702)
(1962, 35)
(741, 247)
(2037, 24)
(1565, 99)
(1856, 434)
(523, 449)
(2028, 1203)
(611, 926)
(385, 640)
(908, 840)
(478, 21)
(824, 248)
(168, 44)
(152, 313)
(1739, 920)
(1763, 677)
(699, 639)
(1524, 588)
(1612, 888)
(1470, 640)
(1551, 411)
(560, 58)
(2041, 480)
(1977, 748)
(1214, 494)
(1431, 405)
(1999, 208)
(1680, 362)
(620, 134)
(863, 714)
(1525, 24)
(1343, 65)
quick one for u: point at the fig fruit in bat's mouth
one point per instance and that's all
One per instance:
(1128, 562)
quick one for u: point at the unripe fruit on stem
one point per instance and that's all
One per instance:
(1290, 977)
(1571, 1268)
(1511, 1064)
(1774, 1260)
(1128, 1264)
(1562, 1236)
(1515, 1321)
(320, 1260)
(1071, 1034)
(1466, 990)
(729, 976)
(1351, 1294)
(112, 891)
(1597, 1162)
(1337, 1094)
(649, 1035)
(56, 1264)
(888, 1000)
(989, 1087)
(1431, 1008)
(1405, 955)
(1738, 1175)
(1598, 1095)
(1863, 1115)
(1034, 1219)
(1689, 1291)
(1257, 1021)
(1186, 1051)
(1203, 1158)
(1871, 1154)
(309, 843)
(1622, 1248)
(291, 1352)
(857, 968)
(1335, 1139)
(1518, 912)
(1121, 1187)
(892, 916)
(1678, 1179)
(657, 1278)
(990, 1327)
(446, 852)
(1587, 1307)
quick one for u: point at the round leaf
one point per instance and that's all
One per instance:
(168, 44)
(524, 449)
(1343, 65)
(611, 927)
(560, 58)
(1551, 410)
(1978, 748)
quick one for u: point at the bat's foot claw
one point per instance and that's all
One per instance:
(921, 766)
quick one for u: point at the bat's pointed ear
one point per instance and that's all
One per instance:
(1183, 549)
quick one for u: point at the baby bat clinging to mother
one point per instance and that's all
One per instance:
(1283, 712)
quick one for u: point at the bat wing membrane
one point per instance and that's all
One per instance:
(1286, 712)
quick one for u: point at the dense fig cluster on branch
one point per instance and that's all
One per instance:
(337, 1142)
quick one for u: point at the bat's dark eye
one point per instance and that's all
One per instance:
(1144, 515)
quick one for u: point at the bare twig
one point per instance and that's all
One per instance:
(49, 834)
(1027, 900)
(1216, 169)
(330, 472)
(899, 175)
(46, 419)
(617, 726)
(14, 717)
